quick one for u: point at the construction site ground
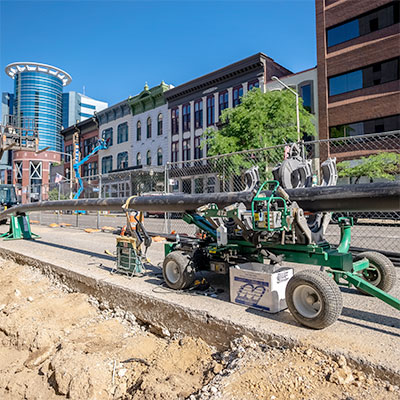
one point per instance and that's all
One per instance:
(68, 327)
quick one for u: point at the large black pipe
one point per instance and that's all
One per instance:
(363, 197)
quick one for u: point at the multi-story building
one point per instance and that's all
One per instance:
(197, 105)
(149, 140)
(7, 102)
(358, 51)
(88, 135)
(38, 100)
(77, 107)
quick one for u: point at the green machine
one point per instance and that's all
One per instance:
(275, 230)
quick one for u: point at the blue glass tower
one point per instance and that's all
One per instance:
(38, 96)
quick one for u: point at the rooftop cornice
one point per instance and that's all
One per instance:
(17, 67)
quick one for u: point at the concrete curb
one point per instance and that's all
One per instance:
(161, 314)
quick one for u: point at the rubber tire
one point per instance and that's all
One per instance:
(385, 267)
(329, 292)
(185, 267)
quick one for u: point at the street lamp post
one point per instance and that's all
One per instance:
(71, 166)
(275, 78)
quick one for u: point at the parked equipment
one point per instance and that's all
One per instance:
(275, 229)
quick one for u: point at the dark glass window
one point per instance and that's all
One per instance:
(122, 160)
(138, 159)
(159, 125)
(236, 95)
(174, 151)
(148, 157)
(198, 114)
(90, 169)
(223, 101)
(186, 117)
(378, 125)
(186, 150)
(370, 22)
(198, 151)
(210, 110)
(106, 164)
(89, 145)
(159, 157)
(305, 93)
(371, 75)
(175, 121)
(108, 136)
(148, 128)
(122, 133)
(139, 131)
(253, 84)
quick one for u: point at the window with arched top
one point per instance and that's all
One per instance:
(138, 159)
(139, 131)
(148, 128)
(159, 157)
(159, 125)
(148, 157)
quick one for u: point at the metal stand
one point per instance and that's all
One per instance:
(20, 228)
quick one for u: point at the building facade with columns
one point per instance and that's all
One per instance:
(196, 105)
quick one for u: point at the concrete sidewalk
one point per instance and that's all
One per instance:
(367, 333)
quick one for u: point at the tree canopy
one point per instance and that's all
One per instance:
(261, 120)
(383, 165)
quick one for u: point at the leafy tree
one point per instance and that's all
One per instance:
(53, 195)
(261, 120)
(383, 165)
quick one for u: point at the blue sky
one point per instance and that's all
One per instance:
(113, 47)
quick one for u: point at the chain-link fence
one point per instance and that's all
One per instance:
(356, 156)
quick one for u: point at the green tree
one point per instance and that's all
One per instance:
(261, 120)
(53, 195)
(383, 165)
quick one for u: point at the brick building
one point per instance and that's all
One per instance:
(358, 49)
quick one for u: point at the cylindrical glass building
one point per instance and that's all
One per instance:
(38, 96)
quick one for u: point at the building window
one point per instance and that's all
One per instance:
(175, 120)
(89, 145)
(122, 133)
(122, 160)
(186, 150)
(159, 157)
(237, 95)
(139, 131)
(305, 94)
(198, 151)
(148, 129)
(223, 101)
(68, 149)
(210, 110)
(138, 159)
(198, 114)
(372, 21)
(372, 75)
(378, 125)
(186, 117)
(253, 84)
(90, 169)
(174, 151)
(148, 157)
(108, 136)
(106, 164)
(199, 185)
(159, 125)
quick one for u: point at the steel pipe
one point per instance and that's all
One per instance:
(364, 197)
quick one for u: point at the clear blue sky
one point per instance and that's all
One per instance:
(113, 47)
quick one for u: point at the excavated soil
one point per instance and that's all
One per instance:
(57, 344)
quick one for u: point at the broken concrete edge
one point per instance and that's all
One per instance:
(159, 314)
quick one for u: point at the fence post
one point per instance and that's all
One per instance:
(166, 190)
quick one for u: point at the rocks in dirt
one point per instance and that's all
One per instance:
(342, 376)
(38, 357)
(30, 299)
(17, 293)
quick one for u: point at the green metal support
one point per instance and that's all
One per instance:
(365, 286)
(345, 223)
(20, 228)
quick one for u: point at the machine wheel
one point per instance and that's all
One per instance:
(314, 299)
(178, 271)
(380, 273)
